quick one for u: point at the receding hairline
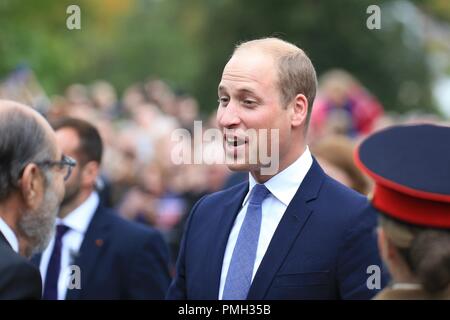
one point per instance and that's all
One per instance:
(8, 106)
(274, 46)
(295, 71)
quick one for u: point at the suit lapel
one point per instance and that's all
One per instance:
(4, 242)
(93, 244)
(289, 228)
(221, 233)
(36, 260)
(3, 238)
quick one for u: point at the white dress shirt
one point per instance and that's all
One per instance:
(9, 235)
(282, 187)
(78, 221)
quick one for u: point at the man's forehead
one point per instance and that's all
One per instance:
(68, 139)
(249, 60)
(58, 151)
(248, 68)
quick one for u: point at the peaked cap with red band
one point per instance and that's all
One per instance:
(411, 168)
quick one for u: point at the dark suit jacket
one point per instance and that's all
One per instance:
(120, 259)
(19, 279)
(320, 250)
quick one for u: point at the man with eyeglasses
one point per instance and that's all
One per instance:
(114, 258)
(32, 172)
(65, 165)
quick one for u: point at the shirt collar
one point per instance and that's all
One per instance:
(285, 184)
(9, 235)
(80, 218)
(406, 286)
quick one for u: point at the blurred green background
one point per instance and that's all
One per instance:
(187, 43)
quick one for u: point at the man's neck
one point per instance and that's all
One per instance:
(286, 162)
(65, 210)
(401, 273)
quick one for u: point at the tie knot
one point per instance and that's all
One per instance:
(61, 230)
(258, 194)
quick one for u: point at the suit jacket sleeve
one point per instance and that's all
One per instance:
(358, 252)
(149, 273)
(20, 281)
(177, 289)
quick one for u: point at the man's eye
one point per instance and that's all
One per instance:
(249, 103)
(223, 100)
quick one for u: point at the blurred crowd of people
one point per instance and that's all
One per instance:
(137, 176)
(344, 113)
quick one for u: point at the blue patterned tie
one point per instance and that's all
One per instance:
(54, 266)
(240, 271)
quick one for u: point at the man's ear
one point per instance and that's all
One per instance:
(90, 173)
(300, 110)
(31, 186)
(387, 249)
(381, 238)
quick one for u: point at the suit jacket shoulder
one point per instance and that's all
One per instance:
(345, 206)
(132, 233)
(351, 221)
(205, 210)
(120, 259)
(19, 279)
(321, 249)
(341, 206)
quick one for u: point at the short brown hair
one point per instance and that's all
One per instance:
(426, 251)
(91, 146)
(296, 73)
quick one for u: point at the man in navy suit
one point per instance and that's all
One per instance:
(111, 258)
(291, 232)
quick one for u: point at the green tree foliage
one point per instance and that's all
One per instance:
(34, 33)
(334, 34)
(188, 43)
(438, 8)
(154, 39)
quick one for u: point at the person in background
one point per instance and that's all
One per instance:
(32, 173)
(343, 106)
(335, 156)
(118, 259)
(410, 167)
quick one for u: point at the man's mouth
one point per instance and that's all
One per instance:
(234, 141)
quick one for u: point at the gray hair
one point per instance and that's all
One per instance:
(22, 140)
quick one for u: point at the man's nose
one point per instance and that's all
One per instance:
(228, 117)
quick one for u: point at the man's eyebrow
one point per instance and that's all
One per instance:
(246, 90)
(240, 90)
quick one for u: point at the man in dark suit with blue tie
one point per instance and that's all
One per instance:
(291, 232)
(109, 257)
